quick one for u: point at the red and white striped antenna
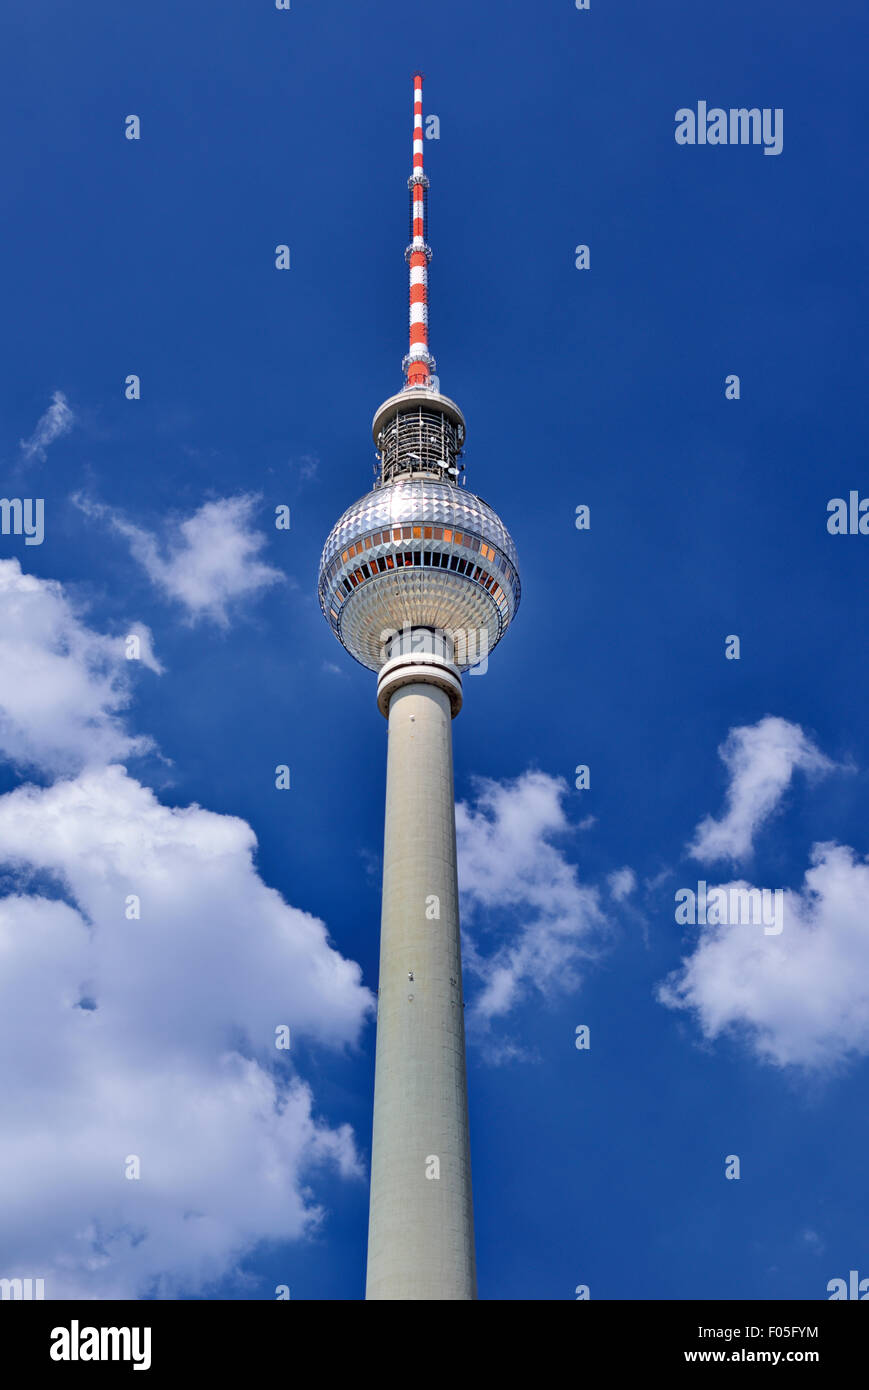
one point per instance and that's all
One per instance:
(419, 364)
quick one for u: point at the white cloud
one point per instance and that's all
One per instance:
(207, 562)
(62, 686)
(622, 883)
(308, 466)
(146, 655)
(512, 876)
(57, 420)
(176, 1063)
(152, 1035)
(797, 999)
(760, 760)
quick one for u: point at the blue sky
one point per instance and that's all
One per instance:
(708, 518)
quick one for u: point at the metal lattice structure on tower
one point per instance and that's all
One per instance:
(419, 580)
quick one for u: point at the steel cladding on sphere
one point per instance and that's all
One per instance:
(417, 552)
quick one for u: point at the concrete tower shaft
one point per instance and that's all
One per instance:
(421, 1237)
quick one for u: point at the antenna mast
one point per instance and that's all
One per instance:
(419, 364)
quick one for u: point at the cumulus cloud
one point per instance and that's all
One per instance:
(143, 648)
(761, 760)
(57, 420)
(63, 687)
(146, 968)
(514, 878)
(207, 562)
(800, 998)
(308, 467)
(155, 1036)
(622, 883)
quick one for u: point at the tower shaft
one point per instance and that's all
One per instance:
(420, 1235)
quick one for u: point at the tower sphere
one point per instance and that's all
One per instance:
(419, 551)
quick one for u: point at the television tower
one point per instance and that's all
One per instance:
(419, 580)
